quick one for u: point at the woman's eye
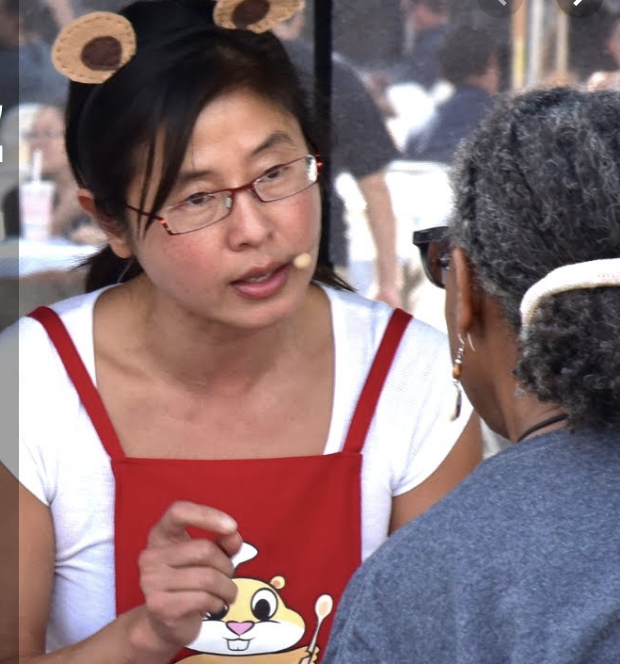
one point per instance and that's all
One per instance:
(275, 174)
(198, 200)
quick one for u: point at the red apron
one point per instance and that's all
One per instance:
(301, 516)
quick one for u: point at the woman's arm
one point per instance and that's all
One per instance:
(181, 579)
(460, 462)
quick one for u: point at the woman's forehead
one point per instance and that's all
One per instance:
(246, 126)
(246, 113)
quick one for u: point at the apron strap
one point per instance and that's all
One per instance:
(367, 403)
(80, 378)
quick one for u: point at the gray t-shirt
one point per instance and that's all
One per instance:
(519, 564)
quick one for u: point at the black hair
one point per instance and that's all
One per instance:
(183, 61)
(463, 52)
(537, 187)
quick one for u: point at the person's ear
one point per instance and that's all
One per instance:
(467, 293)
(117, 237)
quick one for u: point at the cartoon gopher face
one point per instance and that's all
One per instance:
(258, 622)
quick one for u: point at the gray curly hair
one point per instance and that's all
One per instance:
(538, 187)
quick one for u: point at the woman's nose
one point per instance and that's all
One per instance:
(249, 220)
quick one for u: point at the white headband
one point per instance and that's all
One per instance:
(592, 274)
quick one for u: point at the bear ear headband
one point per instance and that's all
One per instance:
(93, 47)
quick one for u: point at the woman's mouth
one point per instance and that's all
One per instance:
(259, 284)
(259, 279)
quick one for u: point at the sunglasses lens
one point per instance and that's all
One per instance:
(438, 261)
(434, 247)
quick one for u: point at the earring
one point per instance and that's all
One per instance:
(457, 371)
(470, 342)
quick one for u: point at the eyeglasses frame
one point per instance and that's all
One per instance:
(233, 191)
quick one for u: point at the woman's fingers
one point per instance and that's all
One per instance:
(181, 515)
(183, 578)
(189, 553)
(230, 543)
(190, 579)
(176, 618)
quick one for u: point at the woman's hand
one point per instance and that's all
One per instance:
(183, 578)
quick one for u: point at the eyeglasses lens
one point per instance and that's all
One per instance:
(434, 247)
(438, 261)
(205, 209)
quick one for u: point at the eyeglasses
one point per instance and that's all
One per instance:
(207, 208)
(434, 246)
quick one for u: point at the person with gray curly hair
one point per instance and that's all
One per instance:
(521, 562)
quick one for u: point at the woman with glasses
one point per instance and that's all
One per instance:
(215, 436)
(521, 562)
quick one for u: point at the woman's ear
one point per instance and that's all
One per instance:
(117, 238)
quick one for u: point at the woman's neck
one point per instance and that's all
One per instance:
(527, 417)
(201, 355)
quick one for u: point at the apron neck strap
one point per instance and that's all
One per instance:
(81, 379)
(367, 403)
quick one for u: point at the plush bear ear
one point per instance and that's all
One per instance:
(254, 15)
(278, 582)
(93, 47)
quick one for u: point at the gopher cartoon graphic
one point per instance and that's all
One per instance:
(258, 628)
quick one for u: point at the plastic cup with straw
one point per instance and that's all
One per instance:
(36, 200)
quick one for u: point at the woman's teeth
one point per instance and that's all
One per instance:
(258, 280)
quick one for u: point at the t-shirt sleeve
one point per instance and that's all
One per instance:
(362, 143)
(27, 404)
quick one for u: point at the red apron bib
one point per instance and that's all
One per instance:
(301, 516)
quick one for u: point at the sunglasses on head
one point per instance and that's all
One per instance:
(434, 246)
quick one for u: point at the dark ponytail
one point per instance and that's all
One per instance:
(105, 268)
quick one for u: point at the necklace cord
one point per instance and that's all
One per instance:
(542, 425)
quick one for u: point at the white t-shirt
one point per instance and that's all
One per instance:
(63, 463)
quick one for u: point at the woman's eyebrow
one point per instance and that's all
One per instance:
(273, 140)
(188, 175)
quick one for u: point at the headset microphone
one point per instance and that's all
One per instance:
(302, 261)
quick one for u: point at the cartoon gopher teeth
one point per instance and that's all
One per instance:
(238, 645)
(254, 15)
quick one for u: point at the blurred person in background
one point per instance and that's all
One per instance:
(613, 42)
(362, 146)
(39, 82)
(429, 20)
(9, 54)
(66, 10)
(609, 80)
(467, 59)
(587, 36)
(69, 220)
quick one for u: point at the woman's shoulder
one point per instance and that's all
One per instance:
(28, 341)
(75, 312)
(362, 317)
